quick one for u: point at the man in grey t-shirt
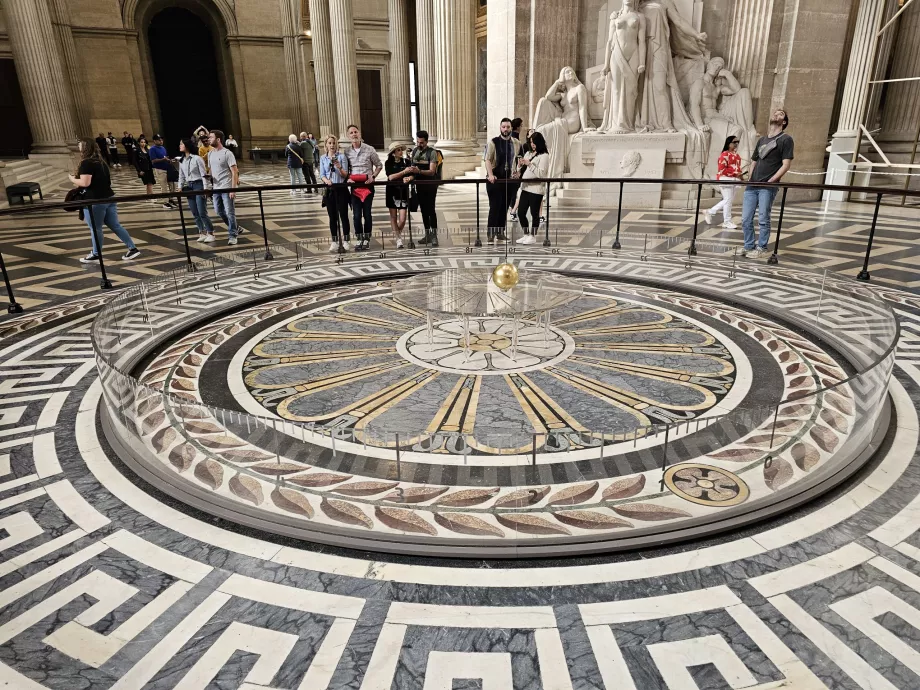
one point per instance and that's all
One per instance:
(224, 175)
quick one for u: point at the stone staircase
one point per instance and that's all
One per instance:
(16, 171)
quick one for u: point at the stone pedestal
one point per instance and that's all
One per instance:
(628, 163)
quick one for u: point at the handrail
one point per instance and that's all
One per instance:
(25, 210)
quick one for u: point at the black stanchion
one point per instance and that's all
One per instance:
(774, 258)
(546, 242)
(409, 216)
(188, 252)
(616, 240)
(104, 282)
(696, 220)
(14, 306)
(864, 273)
(478, 219)
(268, 253)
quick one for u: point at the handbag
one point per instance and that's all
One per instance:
(325, 200)
(75, 194)
(413, 200)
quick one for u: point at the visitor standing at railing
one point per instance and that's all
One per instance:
(308, 145)
(772, 157)
(93, 177)
(398, 169)
(500, 165)
(333, 170)
(192, 178)
(364, 165)
(729, 168)
(295, 162)
(425, 167)
(224, 175)
(536, 166)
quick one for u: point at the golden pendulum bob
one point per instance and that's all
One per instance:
(505, 276)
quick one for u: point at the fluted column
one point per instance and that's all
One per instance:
(290, 17)
(321, 40)
(455, 69)
(342, 26)
(73, 84)
(902, 102)
(28, 23)
(862, 52)
(427, 87)
(400, 124)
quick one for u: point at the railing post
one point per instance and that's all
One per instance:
(546, 242)
(104, 283)
(696, 220)
(616, 240)
(664, 458)
(864, 273)
(188, 253)
(478, 242)
(268, 253)
(779, 229)
(14, 306)
(409, 216)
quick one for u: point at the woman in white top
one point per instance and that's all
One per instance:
(192, 178)
(536, 166)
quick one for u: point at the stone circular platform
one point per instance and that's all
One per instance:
(660, 414)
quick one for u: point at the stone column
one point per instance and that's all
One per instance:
(28, 23)
(73, 83)
(902, 102)
(427, 87)
(342, 25)
(852, 107)
(290, 17)
(455, 67)
(321, 40)
(807, 70)
(400, 124)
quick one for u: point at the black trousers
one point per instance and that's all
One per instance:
(337, 205)
(113, 157)
(427, 195)
(309, 174)
(501, 198)
(529, 203)
(361, 213)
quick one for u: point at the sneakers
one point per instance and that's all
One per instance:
(90, 259)
(708, 216)
(754, 253)
(208, 239)
(728, 225)
(346, 246)
(167, 206)
(542, 220)
(434, 241)
(399, 243)
(232, 240)
(522, 239)
(514, 215)
(333, 246)
(132, 253)
(240, 231)
(201, 237)
(529, 239)
(426, 239)
(502, 237)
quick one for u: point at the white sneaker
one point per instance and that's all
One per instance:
(333, 246)
(293, 192)
(346, 246)
(399, 243)
(530, 239)
(708, 216)
(728, 225)
(201, 237)
(522, 239)
(208, 239)
(754, 253)
(232, 240)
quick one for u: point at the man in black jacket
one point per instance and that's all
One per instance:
(501, 158)
(130, 149)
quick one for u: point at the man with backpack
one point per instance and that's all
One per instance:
(426, 165)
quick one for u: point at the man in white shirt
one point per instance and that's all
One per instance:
(112, 145)
(224, 175)
(362, 160)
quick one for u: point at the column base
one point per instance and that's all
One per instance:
(459, 157)
(62, 160)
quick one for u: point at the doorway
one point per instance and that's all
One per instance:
(15, 135)
(370, 100)
(186, 73)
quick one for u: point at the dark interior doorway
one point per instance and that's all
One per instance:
(15, 135)
(184, 56)
(370, 101)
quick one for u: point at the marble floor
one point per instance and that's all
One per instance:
(107, 582)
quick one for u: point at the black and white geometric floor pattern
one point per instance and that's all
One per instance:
(106, 583)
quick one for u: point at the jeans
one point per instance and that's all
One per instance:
(501, 198)
(530, 202)
(223, 205)
(363, 226)
(427, 195)
(337, 208)
(296, 176)
(198, 206)
(762, 198)
(107, 215)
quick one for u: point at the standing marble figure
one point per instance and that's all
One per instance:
(624, 61)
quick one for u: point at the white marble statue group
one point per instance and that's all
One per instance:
(657, 76)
